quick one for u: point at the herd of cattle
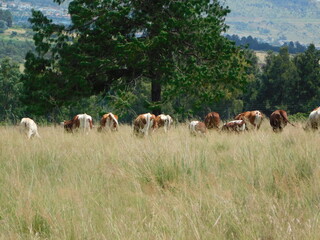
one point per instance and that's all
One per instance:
(146, 123)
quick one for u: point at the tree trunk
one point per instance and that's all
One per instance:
(156, 96)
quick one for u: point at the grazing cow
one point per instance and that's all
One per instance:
(197, 127)
(109, 121)
(80, 121)
(212, 120)
(28, 126)
(234, 126)
(313, 120)
(254, 117)
(164, 121)
(144, 123)
(278, 120)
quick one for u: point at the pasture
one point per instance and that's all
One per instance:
(255, 185)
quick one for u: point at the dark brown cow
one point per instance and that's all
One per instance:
(144, 123)
(234, 126)
(278, 120)
(212, 120)
(254, 117)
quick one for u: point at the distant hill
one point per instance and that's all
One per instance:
(43, 3)
(275, 21)
(255, 44)
(271, 21)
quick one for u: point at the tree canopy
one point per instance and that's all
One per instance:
(10, 90)
(177, 46)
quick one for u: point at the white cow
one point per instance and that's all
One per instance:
(85, 122)
(314, 119)
(29, 127)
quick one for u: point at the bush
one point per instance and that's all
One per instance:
(299, 117)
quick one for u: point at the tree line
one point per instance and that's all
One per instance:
(132, 57)
(255, 44)
(5, 19)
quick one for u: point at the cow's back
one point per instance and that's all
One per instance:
(212, 120)
(109, 121)
(29, 127)
(144, 123)
(85, 122)
(164, 121)
(278, 120)
(253, 117)
(314, 119)
(234, 126)
(197, 127)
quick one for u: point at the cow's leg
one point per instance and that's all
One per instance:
(30, 133)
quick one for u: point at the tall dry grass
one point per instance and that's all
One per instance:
(257, 185)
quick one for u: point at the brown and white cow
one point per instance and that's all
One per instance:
(81, 121)
(144, 124)
(253, 117)
(164, 121)
(278, 120)
(197, 128)
(314, 119)
(109, 121)
(29, 127)
(212, 120)
(234, 126)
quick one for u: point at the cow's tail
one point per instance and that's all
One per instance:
(37, 135)
(90, 123)
(246, 122)
(286, 119)
(115, 121)
(148, 123)
(166, 124)
(192, 128)
(292, 124)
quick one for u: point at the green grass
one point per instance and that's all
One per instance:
(257, 185)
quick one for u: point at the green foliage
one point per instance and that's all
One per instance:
(278, 82)
(14, 49)
(6, 17)
(299, 117)
(176, 46)
(308, 87)
(287, 82)
(10, 91)
(3, 25)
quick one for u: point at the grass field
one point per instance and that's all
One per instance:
(257, 185)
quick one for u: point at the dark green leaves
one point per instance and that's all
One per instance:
(175, 45)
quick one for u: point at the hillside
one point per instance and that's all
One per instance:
(275, 21)
(270, 21)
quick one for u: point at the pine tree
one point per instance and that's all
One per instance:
(178, 46)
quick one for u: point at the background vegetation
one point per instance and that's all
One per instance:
(280, 81)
